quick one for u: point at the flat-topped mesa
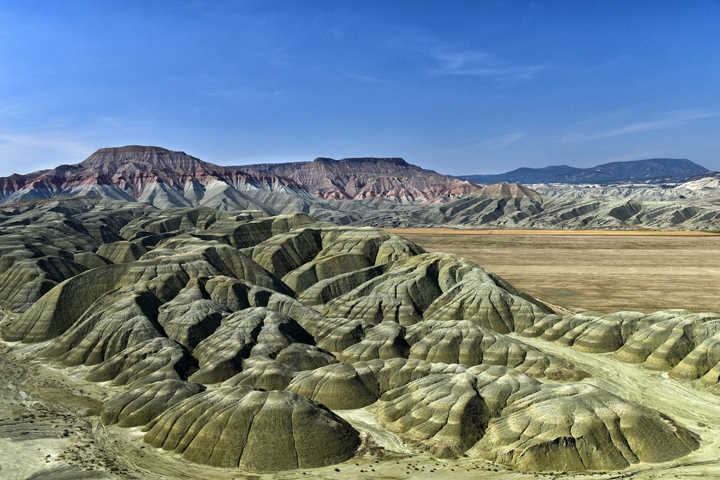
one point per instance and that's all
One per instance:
(110, 160)
(368, 177)
(365, 160)
(161, 177)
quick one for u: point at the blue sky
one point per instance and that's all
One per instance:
(458, 87)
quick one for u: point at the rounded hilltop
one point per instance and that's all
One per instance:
(239, 339)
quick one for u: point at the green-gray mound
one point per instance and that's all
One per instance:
(147, 362)
(264, 374)
(283, 317)
(581, 427)
(470, 344)
(252, 429)
(337, 386)
(252, 331)
(442, 413)
(141, 404)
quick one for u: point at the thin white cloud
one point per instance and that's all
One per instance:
(480, 64)
(671, 120)
(245, 95)
(23, 153)
(439, 58)
(495, 143)
(502, 141)
(366, 78)
(43, 142)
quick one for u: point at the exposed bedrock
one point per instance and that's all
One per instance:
(469, 344)
(437, 287)
(256, 331)
(24, 280)
(442, 413)
(147, 362)
(263, 373)
(581, 427)
(385, 340)
(164, 275)
(192, 316)
(116, 321)
(348, 250)
(337, 386)
(230, 335)
(236, 426)
(140, 405)
(121, 252)
(685, 344)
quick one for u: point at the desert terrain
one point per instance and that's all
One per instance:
(601, 270)
(140, 342)
(384, 192)
(248, 240)
(163, 317)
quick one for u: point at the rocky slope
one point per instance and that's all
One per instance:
(654, 170)
(384, 192)
(358, 178)
(154, 175)
(240, 340)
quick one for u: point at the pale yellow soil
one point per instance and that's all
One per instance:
(597, 233)
(594, 270)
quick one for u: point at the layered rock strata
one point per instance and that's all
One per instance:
(231, 338)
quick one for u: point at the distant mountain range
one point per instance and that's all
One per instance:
(385, 192)
(654, 170)
(154, 175)
(357, 178)
(166, 178)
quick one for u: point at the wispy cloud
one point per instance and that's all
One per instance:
(23, 153)
(245, 95)
(502, 141)
(439, 58)
(494, 143)
(673, 119)
(479, 64)
(44, 143)
(365, 78)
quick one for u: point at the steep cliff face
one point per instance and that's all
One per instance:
(163, 177)
(167, 178)
(357, 178)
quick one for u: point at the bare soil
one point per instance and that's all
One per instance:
(604, 271)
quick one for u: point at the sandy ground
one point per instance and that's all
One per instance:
(594, 270)
(557, 232)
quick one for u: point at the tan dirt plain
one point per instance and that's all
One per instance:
(605, 271)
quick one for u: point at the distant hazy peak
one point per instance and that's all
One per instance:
(649, 170)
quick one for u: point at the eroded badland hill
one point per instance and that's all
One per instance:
(191, 342)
